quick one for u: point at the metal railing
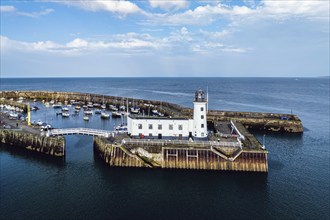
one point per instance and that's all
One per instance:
(82, 131)
(150, 142)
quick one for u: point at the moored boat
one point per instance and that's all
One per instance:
(116, 114)
(105, 115)
(65, 114)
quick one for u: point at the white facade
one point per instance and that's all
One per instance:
(172, 127)
(200, 125)
(159, 127)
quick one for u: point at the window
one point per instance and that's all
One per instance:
(202, 134)
(202, 109)
(202, 116)
(160, 127)
(180, 127)
(170, 127)
(150, 126)
(140, 126)
(150, 134)
(202, 125)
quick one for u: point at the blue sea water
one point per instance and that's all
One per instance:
(83, 186)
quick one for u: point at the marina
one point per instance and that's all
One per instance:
(159, 141)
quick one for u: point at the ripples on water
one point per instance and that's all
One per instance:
(83, 186)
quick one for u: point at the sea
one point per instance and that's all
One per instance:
(82, 186)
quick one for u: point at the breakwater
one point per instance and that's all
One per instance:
(251, 120)
(181, 157)
(54, 146)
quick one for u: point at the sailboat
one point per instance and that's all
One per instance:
(103, 106)
(105, 115)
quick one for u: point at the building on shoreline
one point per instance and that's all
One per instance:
(172, 128)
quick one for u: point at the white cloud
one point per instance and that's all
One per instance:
(7, 8)
(121, 7)
(130, 43)
(180, 41)
(207, 14)
(309, 9)
(169, 4)
(15, 11)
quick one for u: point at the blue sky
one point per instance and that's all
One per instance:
(164, 38)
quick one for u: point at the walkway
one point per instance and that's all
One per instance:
(82, 131)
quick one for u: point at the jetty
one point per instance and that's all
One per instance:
(228, 146)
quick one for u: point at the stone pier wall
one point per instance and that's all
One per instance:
(205, 159)
(54, 146)
(180, 158)
(116, 155)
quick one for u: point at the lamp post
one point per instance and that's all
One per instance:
(263, 142)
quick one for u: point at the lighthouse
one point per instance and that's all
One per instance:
(200, 122)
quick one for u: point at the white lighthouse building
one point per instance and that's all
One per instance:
(200, 123)
(172, 128)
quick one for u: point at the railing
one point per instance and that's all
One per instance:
(146, 142)
(83, 131)
(237, 131)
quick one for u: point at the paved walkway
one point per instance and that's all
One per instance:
(12, 124)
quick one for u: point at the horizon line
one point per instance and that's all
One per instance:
(88, 77)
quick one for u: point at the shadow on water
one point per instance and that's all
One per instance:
(199, 191)
(34, 156)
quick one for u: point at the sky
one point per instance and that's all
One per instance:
(159, 38)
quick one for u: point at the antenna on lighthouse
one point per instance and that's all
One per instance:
(207, 98)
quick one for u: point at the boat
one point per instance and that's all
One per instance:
(65, 109)
(47, 104)
(103, 106)
(52, 102)
(154, 112)
(116, 114)
(96, 105)
(124, 113)
(86, 118)
(105, 115)
(34, 108)
(88, 112)
(13, 115)
(65, 114)
(98, 111)
(58, 105)
(78, 107)
(135, 110)
(121, 127)
(113, 108)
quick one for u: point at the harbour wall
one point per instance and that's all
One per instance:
(251, 120)
(180, 157)
(54, 146)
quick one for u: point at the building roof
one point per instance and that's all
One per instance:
(156, 117)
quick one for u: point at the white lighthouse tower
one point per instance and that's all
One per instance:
(200, 122)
